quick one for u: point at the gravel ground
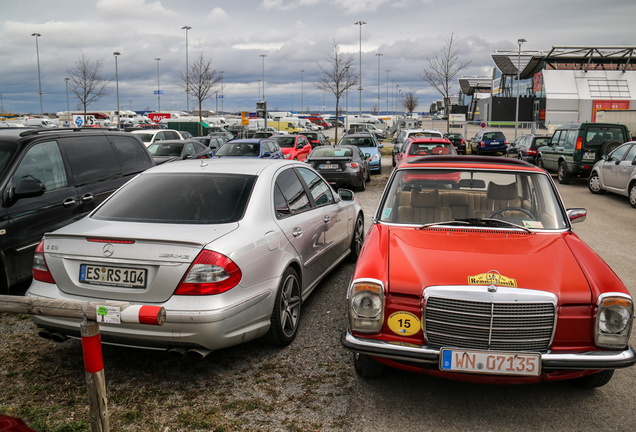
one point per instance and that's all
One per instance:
(253, 387)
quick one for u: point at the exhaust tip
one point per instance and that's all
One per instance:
(44, 334)
(177, 352)
(58, 337)
(198, 353)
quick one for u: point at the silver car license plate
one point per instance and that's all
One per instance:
(123, 277)
(328, 166)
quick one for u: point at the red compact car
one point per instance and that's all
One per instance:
(425, 146)
(443, 286)
(294, 147)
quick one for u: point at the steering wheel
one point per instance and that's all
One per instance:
(503, 209)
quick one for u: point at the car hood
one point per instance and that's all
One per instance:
(442, 257)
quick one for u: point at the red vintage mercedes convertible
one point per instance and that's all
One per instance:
(443, 286)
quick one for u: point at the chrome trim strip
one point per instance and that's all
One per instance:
(31, 246)
(589, 360)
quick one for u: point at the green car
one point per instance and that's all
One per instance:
(575, 147)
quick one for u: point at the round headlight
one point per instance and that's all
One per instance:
(366, 304)
(614, 319)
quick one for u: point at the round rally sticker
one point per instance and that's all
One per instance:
(404, 323)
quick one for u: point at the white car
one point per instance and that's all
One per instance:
(149, 136)
(230, 248)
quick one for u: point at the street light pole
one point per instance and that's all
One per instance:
(520, 41)
(387, 91)
(263, 57)
(222, 97)
(158, 87)
(346, 122)
(186, 28)
(397, 87)
(116, 54)
(302, 76)
(379, 55)
(37, 49)
(360, 23)
(69, 117)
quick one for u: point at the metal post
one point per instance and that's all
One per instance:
(262, 56)
(302, 76)
(387, 91)
(360, 23)
(520, 41)
(222, 96)
(186, 28)
(347, 107)
(37, 48)
(158, 87)
(116, 54)
(68, 106)
(379, 55)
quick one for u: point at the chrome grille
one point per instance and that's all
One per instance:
(489, 325)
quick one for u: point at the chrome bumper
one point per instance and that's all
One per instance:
(589, 360)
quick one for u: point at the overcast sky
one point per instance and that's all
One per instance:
(293, 34)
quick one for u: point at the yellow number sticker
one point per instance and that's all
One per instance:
(404, 323)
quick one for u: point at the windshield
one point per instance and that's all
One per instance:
(185, 199)
(472, 197)
(597, 135)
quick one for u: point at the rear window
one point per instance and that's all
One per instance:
(332, 152)
(287, 142)
(597, 135)
(185, 199)
(494, 136)
(359, 142)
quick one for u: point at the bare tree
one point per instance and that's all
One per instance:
(201, 79)
(86, 82)
(337, 76)
(442, 70)
(374, 110)
(410, 101)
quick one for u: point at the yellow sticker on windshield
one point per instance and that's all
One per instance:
(404, 323)
(492, 278)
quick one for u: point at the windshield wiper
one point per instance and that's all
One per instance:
(450, 222)
(506, 222)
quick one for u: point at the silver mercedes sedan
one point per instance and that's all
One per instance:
(231, 248)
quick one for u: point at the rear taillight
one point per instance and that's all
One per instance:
(463, 141)
(532, 152)
(483, 144)
(579, 143)
(40, 269)
(353, 164)
(210, 273)
(505, 142)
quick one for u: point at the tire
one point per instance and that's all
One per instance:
(540, 163)
(367, 367)
(594, 184)
(286, 314)
(357, 239)
(363, 185)
(380, 170)
(632, 194)
(563, 175)
(368, 178)
(608, 146)
(593, 381)
(393, 160)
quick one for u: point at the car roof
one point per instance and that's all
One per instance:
(228, 165)
(249, 140)
(468, 162)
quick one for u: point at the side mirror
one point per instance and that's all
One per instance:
(266, 155)
(345, 194)
(605, 157)
(380, 145)
(367, 155)
(577, 215)
(29, 189)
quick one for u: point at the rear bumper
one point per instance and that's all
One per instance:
(589, 360)
(344, 180)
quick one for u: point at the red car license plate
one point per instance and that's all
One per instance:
(490, 362)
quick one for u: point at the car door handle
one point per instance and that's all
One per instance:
(68, 202)
(297, 232)
(87, 198)
(327, 218)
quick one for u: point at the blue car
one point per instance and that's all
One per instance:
(488, 142)
(369, 145)
(254, 148)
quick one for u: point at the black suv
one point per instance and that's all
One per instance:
(52, 177)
